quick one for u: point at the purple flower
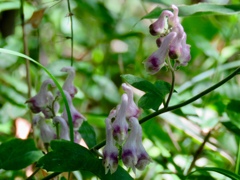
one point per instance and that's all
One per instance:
(77, 117)
(160, 27)
(46, 132)
(52, 109)
(120, 125)
(156, 61)
(64, 129)
(68, 84)
(143, 158)
(178, 49)
(174, 20)
(110, 152)
(132, 109)
(129, 150)
(42, 100)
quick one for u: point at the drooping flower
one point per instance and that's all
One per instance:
(143, 158)
(156, 61)
(46, 132)
(68, 84)
(64, 129)
(129, 150)
(42, 100)
(52, 108)
(110, 152)
(176, 48)
(120, 125)
(77, 117)
(132, 109)
(160, 27)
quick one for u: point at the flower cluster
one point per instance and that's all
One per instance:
(46, 106)
(171, 42)
(119, 121)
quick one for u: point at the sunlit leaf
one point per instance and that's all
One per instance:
(199, 9)
(140, 83)
(16, 154)
(224, 172)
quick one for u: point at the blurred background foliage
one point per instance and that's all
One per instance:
(111, 39)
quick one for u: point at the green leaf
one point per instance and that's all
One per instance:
(163, 87)
(218, 170)
(232, 127)
(234, 105)
(67, 156)
(88, 134)
(198, 9)
(155, 93)
(17, 154)
(140, 83)
(150, 101)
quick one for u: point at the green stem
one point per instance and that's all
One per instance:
(71, 24)
(171, 108)
(238, 158)
(199, 151)
(173, 82)
(57, 130)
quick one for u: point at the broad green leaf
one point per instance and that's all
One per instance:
(234, 105)
(163, 87)
(199, 9)
(150, 101)
(17, 154)
(232, 127)
(67, 156)
(224, 172)
(88, 134)
(140, 83)
(233, 113)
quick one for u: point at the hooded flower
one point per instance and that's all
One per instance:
(46, 132)
(53, 107)
(77, 117)
(174, 46)
(64, 129)
(68, 84)
(42, 100)
(110, 152)
(143, 158)
(120, 125)
(156, 61)
(129, 150)
(132, 109)
(160, 27)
